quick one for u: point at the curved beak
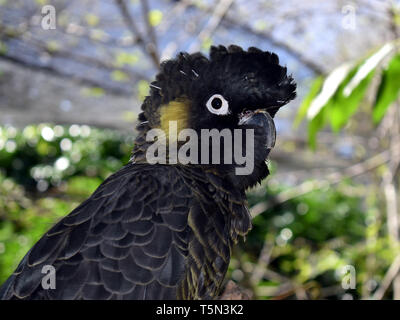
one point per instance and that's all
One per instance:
(262, 123)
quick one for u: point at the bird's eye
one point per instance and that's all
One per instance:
(218, 105)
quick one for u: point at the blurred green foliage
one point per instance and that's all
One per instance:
(48, 170)
(349, 85)
(44, 155)
(347, 98)
(312, 238)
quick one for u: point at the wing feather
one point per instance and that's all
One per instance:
(120, 243)
(148, 232)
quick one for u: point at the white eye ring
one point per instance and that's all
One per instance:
(218, 105)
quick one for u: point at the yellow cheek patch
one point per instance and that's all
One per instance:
(176, 111)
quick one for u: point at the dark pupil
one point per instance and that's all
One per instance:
(216, 103)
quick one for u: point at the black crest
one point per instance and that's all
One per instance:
(254, 74)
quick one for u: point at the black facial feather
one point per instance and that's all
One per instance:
(253, 78)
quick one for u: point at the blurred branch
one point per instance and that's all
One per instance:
(291, 49)
(94, 35)
(217, 15)
(388, 279)
(389, 176)
(150, 48)
(170, 16)
(393, 12)
(389, 187)
(331, 179)
(290, 288)
(388, 180)
(151, 32)
(87, 60)
(20, 34)
(233, 292)
(129, 20)
(54, 71)
(262, 263)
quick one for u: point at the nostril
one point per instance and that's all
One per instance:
(244, 116)
(245, 113)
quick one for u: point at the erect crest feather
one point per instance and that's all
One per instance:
(235, 69)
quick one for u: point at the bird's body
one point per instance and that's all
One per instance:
(166, 231)
(142, 235)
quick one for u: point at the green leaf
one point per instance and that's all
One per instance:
(155, 17)
(315, 125)
(367, 66)
(206, 44)
(120, 76)
(93, 92)
(143, 89)
(82, 186)
(124, 58)
(352, 91)
(340, 94)
(388, 89)
(343, 106)
(260, 25)
(53, 46)
(3, 48)
(315, 88)
(92, 20)
(328, 89)
(129, 116)
(339, 108)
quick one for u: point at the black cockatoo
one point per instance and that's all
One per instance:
(166, 230)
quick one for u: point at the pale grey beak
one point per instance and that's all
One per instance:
(260, 120)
